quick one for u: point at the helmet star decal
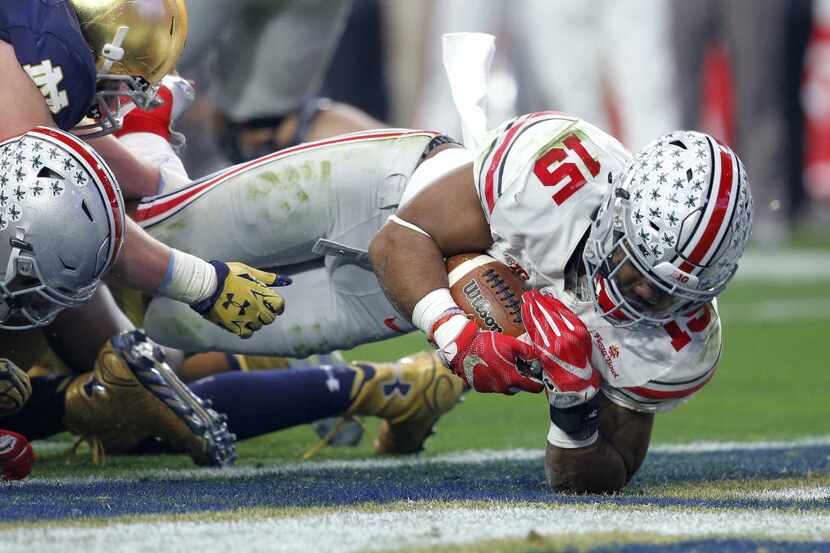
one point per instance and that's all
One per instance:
(679, 228)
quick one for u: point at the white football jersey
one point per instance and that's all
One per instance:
(540, 178)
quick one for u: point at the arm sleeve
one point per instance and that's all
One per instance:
(48, 43)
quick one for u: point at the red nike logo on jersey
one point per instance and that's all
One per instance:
(390, 323)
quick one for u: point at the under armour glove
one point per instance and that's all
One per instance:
(487, 361)
(244, 300)
(16, 456)
(15, 388)
(565, 349)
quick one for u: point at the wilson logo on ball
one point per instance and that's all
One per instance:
(481, 306)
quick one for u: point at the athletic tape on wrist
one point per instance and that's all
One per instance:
(431, 307)
(559, 438)
(188, 279)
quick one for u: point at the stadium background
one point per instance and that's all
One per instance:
(744, 466)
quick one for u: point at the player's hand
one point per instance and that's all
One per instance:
(244, 300)
(487, 361)
(565, 346)
(15, 388)
(16, 456)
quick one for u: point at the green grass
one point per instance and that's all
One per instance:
(771, 384)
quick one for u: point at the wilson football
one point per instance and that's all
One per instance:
(486, 289)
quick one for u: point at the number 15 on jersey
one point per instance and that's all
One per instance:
(554, 168)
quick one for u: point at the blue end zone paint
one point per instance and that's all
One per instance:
(506, 481)
(718, 546)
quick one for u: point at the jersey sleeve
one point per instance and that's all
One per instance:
(49, 45)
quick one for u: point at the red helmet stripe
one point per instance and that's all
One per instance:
(723, 204)
(105, 181)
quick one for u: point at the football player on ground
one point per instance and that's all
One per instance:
(630, 252)
(61, 61)
(58, 236)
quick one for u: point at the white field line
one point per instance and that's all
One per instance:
(347, 531)
(778, 310)
(459, 458)
(807, 493)
(784, 266)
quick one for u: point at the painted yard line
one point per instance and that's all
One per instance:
(809, 493)
(784, 266)
(348, 530)
(778, 310)
(711, 447)
(460, 458)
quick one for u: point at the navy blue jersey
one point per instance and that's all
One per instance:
(48, 43)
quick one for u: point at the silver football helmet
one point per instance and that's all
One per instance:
(670, 232)
(61, 225)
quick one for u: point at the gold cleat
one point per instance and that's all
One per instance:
(133, 396)
(411, 395)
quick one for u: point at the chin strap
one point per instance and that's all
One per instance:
(112, 51)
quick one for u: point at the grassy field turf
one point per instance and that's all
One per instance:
(771, 384)
(768, 386)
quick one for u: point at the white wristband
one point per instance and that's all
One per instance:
(430, 307)
(559, 438)
(189, 279)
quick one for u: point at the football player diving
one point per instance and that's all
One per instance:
(624, 256)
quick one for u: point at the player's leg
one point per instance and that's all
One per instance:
(409, 395)
(610, 463)
(273, 212)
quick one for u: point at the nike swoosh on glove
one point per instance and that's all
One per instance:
(487, 361)
(565, 349)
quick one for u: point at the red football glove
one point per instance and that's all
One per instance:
(487, 361)
(565, 347)
(16, 456)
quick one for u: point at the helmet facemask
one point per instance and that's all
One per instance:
(62, 228)
(135, 45)
(27, 300)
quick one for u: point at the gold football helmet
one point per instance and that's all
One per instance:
(135, 44)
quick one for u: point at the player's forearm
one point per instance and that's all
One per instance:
(408, 266)
(597, 468)
(608, 464)
(138, 178)
(143, 262)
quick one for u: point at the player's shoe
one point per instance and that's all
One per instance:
(411, 395)
(133, 395)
